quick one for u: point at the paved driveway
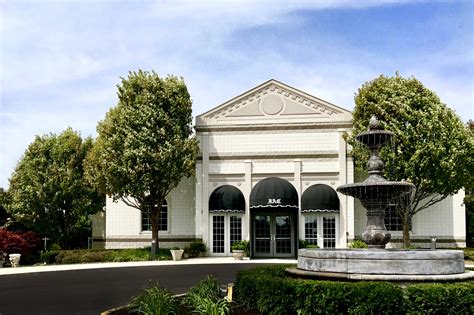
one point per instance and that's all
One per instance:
(94, 290)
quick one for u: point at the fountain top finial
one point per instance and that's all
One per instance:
(374, 124)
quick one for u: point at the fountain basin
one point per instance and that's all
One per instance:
(382, 261)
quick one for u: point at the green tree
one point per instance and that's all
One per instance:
(469, 199)
(48, 192)
(431, 148)
(145, 144)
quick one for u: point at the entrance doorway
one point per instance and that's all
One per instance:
(273, 219)
(273, 235)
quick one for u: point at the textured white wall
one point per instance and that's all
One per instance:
(124, 222)
(445, 220)
(270, 141)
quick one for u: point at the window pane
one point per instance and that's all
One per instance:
(329, 232)
(218, 234)
(162, 220)
(393, 221)
(235, 229)
(311, 229)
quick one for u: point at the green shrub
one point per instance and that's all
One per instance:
(110, 255)
(207, 288)
(306, 244)
(240, 245)
(440, 298)
(155, 300)
(196, 248)
(264, 289)
(358, 244)
(268, 290)
(469, 253)
(49, 257)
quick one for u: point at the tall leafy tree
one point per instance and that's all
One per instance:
(431, 148)
(469, 199)
(48, 192)
(145, 144)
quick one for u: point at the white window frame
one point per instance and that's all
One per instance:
(227, 251)
(320, 216)
(149, 232)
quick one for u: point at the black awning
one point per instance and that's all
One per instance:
(320, 198)
(227, 198)
(273, 192)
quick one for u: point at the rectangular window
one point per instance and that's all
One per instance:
(162, 220)
(311, 229)
(218, 233)
(235, 229)
(329, 232)
(393, 221)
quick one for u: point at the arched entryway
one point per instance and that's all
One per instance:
(274, 217)
(226, 208)
(320, 209)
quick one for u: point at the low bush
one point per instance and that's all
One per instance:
(358, 244)
(469, 253)
(109, 255)
(49, 257)
(306, 244)
(155, 300)
(270, 291)
(195, 248)
(440, 298)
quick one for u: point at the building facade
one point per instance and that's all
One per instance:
(271, 160)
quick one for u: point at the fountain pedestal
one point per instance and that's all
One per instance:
(378, 263)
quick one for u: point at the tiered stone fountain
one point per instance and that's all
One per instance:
(378, 263)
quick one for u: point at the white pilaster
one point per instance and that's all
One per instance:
(247, 188)
(205, 188)
(346, 223)
(297, 184)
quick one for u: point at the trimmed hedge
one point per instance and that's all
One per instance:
(268, 290)
(110, 255)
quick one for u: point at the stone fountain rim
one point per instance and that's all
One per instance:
(372, 132)
(373, 183)
(364, 253)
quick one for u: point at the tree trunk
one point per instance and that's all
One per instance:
(154, 227)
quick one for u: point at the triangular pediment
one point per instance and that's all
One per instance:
(273, 102)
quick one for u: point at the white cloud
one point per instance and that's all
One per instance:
(61, 61)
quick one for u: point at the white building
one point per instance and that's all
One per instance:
(271, 160)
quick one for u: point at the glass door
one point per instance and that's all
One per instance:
(283, 235)
(262, 236)
(273, 235)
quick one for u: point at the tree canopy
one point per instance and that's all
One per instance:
(431, 148)
(145, 144)
(48, 192)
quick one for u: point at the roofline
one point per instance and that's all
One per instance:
(219, 107)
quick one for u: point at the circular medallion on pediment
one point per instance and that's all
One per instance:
(272, 104)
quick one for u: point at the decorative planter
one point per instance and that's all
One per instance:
(15, 259)
(177, 253)
(238, 254)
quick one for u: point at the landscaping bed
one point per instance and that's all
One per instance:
(269, 290)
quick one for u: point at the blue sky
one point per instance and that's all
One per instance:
(60, 61)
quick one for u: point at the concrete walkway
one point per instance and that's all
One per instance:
(191, 261)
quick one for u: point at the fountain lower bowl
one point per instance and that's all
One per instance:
(382, 264)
